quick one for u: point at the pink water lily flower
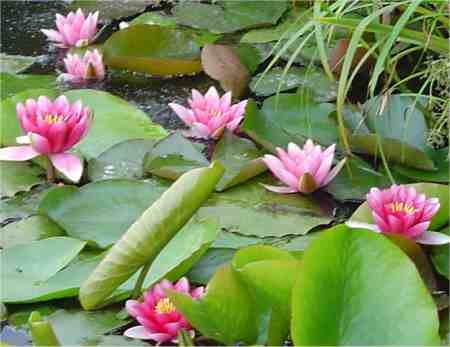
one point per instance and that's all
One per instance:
(304, 169)
(210, 114)
(73, 30)
(159, 320)
(401, 210)
(51, 129)
(78, 69)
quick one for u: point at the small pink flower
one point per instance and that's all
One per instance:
(52, 128)
(401, 210)
(159, 319)
(90, 66)
(210, 114)
(73, 30)
(304, 169)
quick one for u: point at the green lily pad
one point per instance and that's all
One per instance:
(13, 84)
(19, 176)
(323, 90)
(10, 128)
(111, 10)
(249, 55)
(355, 180)
(27, 267)
(75, 327)
(123, 160)
(249, 209)
(440, 256)
(232, 240)
(229, 16)
(365, 290)
(205, 268)
(225, 313)
(155, 18)
(153, 49)
(115, 121)
(431, 190)
(14, 63)
(101, 212)
(173, 156)
(290, 118)
(399, 128)
(241, 159)
(439, 175)
(27, 230)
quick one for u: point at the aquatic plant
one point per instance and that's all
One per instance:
(52, 129)
(89, 66)
(73, 30)
(210, 114)
(304, 169)
(160, 321)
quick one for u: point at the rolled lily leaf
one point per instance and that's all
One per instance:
(150, 233)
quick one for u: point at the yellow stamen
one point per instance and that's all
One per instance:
(52, 119)
(215, 113)
(164, 306)
(402, 207)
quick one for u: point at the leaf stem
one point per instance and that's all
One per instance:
(50, 171)
(138, 286)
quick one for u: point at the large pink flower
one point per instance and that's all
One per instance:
(73, 30)
(159, 319)
(51, 128)
(304, 169)
(401, 210)
(90, 66)
(210, 114)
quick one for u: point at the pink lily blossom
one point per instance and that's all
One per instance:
(51, 129)
(90, 66)
(159, 319)
(304, 169)
(73, 30)
(401, 210)
(210, 114)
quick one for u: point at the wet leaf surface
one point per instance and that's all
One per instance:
(19, 176)
(13, 64)
(440, 256)
(13, 84)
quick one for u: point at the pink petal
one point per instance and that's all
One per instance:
(138, 332)
(173, 328)
(239, 108)
(200, 130)
(211, 95)
(198, 292)
(133, 307)
(69, 164)
(382, 224)
(359, 225)
(18, 153)
(234, 123)
(280, 190)
(323, 171)
(334, 172)
(161, 337)
(40, 143)
(185, 114)
(433, 238)
(53, 35)
(182, 285)
(417, 229)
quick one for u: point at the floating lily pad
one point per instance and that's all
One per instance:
(173, 156)
(153, 49)
(13, 84)
(27, 230)
(101, 212)
(398, 125)
(440, 257)
(124, 160)
(232, 240)
(155, 18)
(439, 175)
(250, 56)
(229, 16)
(323, 90)
(115, 121)
(75, 327)
(355, 180)
(431, 190)
(249, 209)
(343, 285)
(14, 63)
(290, 118)
(25, 269)
(19, 176)
(240, 158)
(111, 9)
